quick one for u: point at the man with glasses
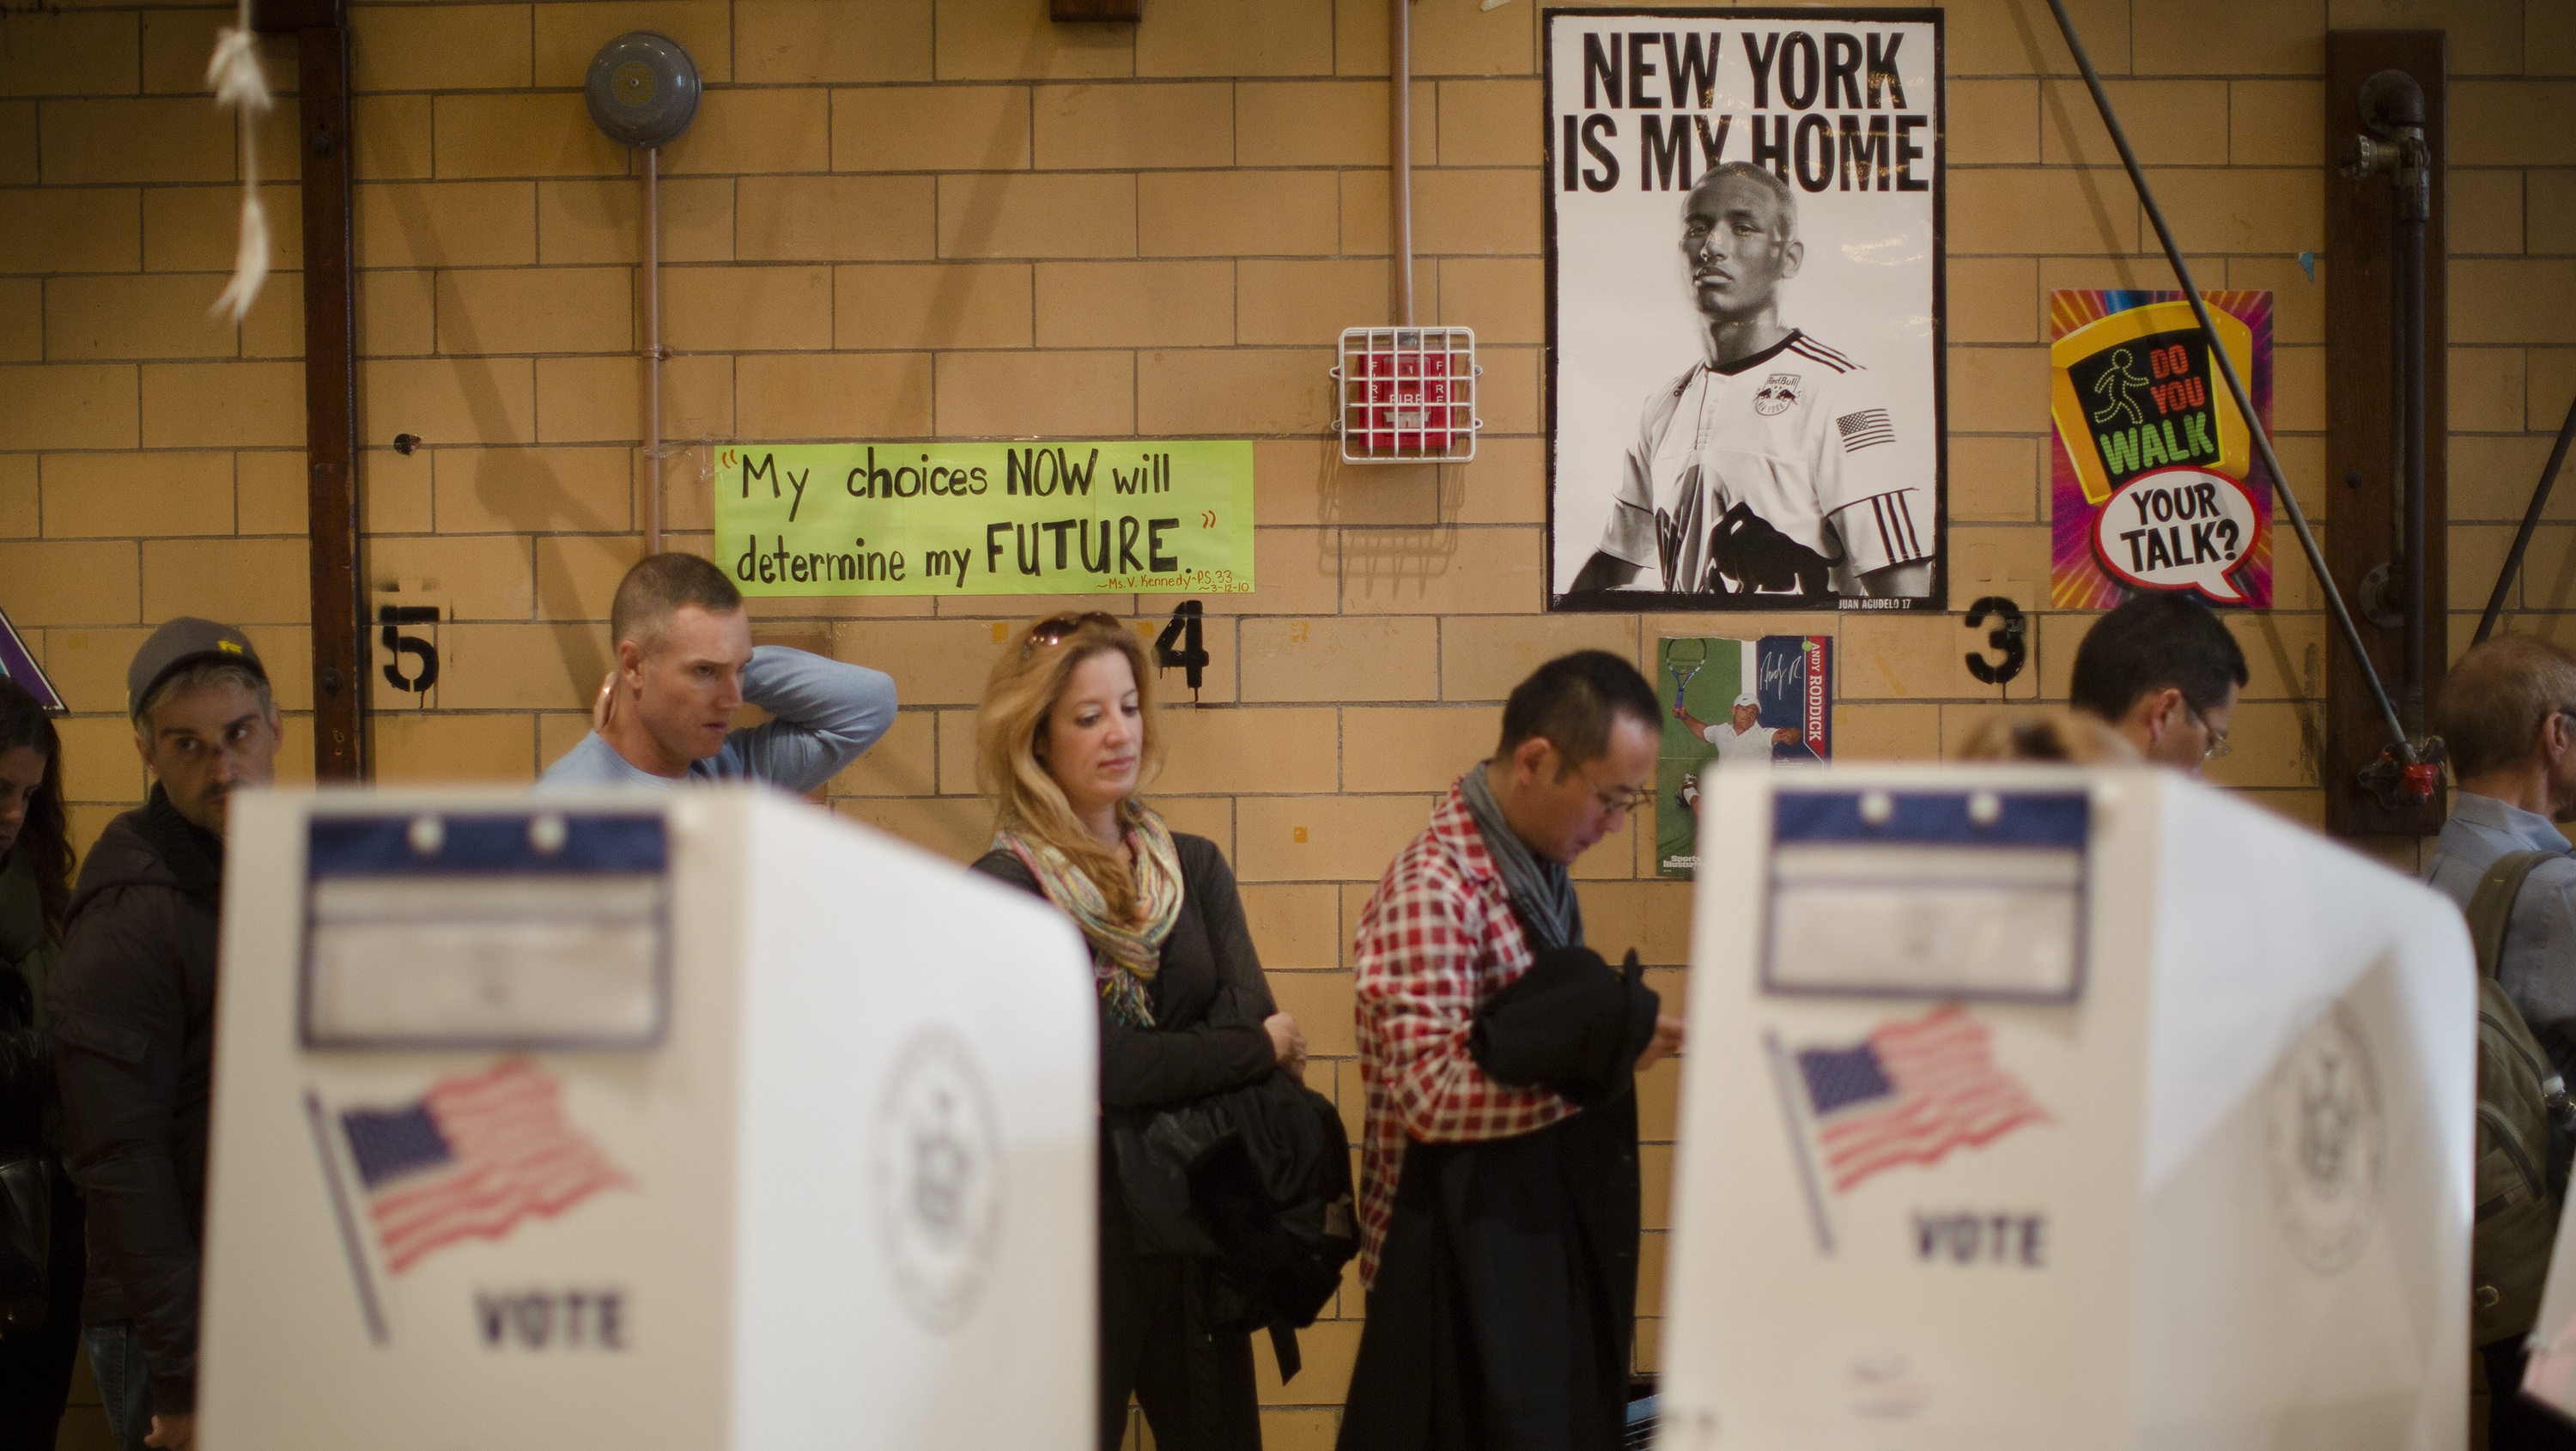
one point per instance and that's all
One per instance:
(132, 1001)
(1498, 1198)
(2163, 672)
(686, 665)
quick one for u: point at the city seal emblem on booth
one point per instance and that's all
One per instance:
(2326, 1135)
(937, 1162)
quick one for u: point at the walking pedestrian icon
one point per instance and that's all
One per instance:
(2115, 387)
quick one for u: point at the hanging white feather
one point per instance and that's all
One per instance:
(235, 72)
(250, 263)
(239, 81)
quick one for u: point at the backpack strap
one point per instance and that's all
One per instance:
(2490, 911)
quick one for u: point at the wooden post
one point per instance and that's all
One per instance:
(330, 385)
(2357, 496)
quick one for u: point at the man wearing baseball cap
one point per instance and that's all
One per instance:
(1740, 741)
(133, 999)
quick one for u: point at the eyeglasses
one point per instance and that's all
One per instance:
(1612, 800)
(2218, 746)
(1056, 630)
(1615, 799)
(1618, 799)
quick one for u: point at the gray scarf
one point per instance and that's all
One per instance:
(1541, 891)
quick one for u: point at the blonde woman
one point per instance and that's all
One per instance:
(1065, 737)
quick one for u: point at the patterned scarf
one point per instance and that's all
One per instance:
(1542, 890)
(1124, 955)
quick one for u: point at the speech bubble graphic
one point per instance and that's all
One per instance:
(2176, 529)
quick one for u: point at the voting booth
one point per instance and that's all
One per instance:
(2550, 1375)
(680, 1120)
(2033, 1107)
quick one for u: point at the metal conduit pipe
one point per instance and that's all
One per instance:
(2530, 521)
(2413, 211)
(2392, 106)
(653, 350)
(1399, 148)
(2400, 745)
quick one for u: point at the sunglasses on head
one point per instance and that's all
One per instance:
(1055, 630)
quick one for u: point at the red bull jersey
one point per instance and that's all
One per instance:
(1800, 435)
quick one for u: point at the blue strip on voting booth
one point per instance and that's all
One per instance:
(514, 930)
(536, 841)
(1931, 818)
(1953, 895)
(18, 663)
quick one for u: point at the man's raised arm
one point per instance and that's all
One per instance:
(826, 712)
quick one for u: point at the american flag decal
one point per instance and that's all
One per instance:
(470, 1159)
(1909, 1094)
(1865, 428)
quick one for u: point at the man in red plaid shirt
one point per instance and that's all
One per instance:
(1498, 1203)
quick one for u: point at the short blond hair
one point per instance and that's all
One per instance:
(2498, 697)
(2047, 735)
(655, 588)
(1027, 681)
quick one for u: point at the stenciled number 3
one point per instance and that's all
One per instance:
(2010, 636)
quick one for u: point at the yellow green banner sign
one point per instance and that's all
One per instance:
(1120, 517)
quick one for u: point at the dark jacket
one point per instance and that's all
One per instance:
(1209, 997)
(1195, 1382)
(133, 998)
(27, 949)
(1506, 1295)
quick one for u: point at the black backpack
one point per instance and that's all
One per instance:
(2524, 1132)
(1256, 1182)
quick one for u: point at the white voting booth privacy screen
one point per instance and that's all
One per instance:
(2550, 1376)
(2029, 1107)
(676, 1120)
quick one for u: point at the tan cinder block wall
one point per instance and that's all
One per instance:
(944, 218)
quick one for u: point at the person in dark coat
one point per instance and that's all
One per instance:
(1499, 1195)
(1065, 738)
(133, 999)
(38, 1345)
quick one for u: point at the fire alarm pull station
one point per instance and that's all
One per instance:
(1408, 394)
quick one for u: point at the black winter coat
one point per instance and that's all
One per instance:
(1209, 997)
(133, 999)
(1506, 1293)
(26, 1070)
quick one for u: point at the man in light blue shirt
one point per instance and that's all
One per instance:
(685, 665)
(2508, 715)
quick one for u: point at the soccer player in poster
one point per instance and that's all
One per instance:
(1772, 467)
(1738, 739)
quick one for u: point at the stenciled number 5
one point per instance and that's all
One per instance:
(2010, 636)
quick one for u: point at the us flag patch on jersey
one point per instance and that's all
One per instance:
(1865, 428)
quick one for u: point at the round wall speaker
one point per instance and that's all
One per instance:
(642, 89)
